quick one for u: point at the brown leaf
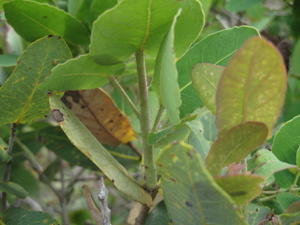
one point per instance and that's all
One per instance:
(97, 111)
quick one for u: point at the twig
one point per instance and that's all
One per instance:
(95, 211)
(150, 172)
(103, 198)
(273, 194)
(295, 189)
(116, 84)
(37, 167)
(63, 201)
(7, 169)
(39, 170)
(70, 187)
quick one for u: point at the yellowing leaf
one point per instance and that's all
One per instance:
(97, 111)
(252, 87)
(205, 78)
(83, 139)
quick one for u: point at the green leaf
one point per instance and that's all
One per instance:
(8, 60)
(178, 133)
(80, 73)
(4, 157)
(285, 199)
(191, 195)
(133, 25)
(22, 99)
(80, 9)
(242, 188)
(206, 5)
(20, 216)
(241, 5)
(25, 178)
(208, 121)
(235, 144)
(216, 48)
(266, 163)
(33, 20)
(3, 145)
(100, 6)
(82, 138)
(170, 136)
(294, 63)
(257, 213)
(252, 87)
(13, 188)
(158, 216)
(287, 141)
(298, 157)
(197, 138)
(165, 77)
(284, 178)
(290, 219)
(205, 81)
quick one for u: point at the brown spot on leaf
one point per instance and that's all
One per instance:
(57, 115)
(188, 204)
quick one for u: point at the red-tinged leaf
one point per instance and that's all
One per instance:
(252, 87)
(242, 188)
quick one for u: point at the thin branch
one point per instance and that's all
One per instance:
(117, 85)
(37, 168)
(150, 172)
(103, 198)
(70, 187)
(63, 201)
(95, 211)
(75, 178)
(7, 168)
(273, 194)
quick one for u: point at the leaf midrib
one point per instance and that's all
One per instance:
(42, 25)
(35, 87)
(148, 25)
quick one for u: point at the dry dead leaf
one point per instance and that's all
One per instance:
(97, 111)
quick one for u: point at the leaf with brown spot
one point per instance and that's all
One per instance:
(98, 112)
(84, 141)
